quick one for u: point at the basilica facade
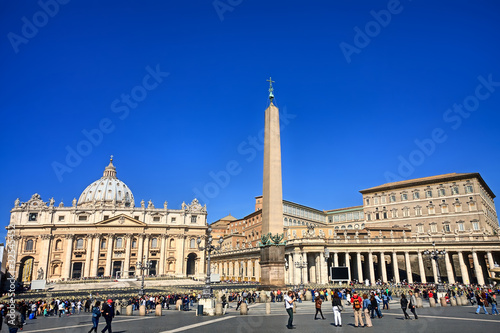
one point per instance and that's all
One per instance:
(104, 234)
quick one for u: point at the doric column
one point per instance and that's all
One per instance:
(395, 267)
(88, 256)
(348, 264)
(423, 278)
(463, 268)
(409, 273)
(161, 269)
(360, 267)
(491, 262)
(109, 254)
(95, 259)
(45, 254)
(372, 269)
(434, 270)
(335, 259)
(69, 254)
(383, 267)
(478, 269)
(449, 268)
(128, 246)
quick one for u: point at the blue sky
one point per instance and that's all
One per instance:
(370, 91)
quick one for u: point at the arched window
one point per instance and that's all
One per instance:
(154, 243)
(172, 243)
(79, 243)
(134, 243)
(58, 244)
(192, 243)
(119, 242)
(103, 244)
(29, 245)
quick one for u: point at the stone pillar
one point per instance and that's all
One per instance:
(140, 250)
(126, 264)
(463, 268)
(434, 270)
(163, 257)
(323, 268)
(237, 270)
(291, 269)
(348, 264)
(257, 271)
(179, 267)
(109, 254)
(491, 262)
(69, 254)
(147, 238)
(45, 254)
(423, 278)
(360, 267)
(372, 269)
(95, 256)
(449, 268)
(335, 259)
(408, 267)
(383, 267)
(395, 266)
(88, 256)
(477, 269)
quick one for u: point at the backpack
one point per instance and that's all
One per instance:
(96, 313)
(356, 303)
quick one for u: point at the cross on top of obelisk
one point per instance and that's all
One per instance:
(271, 95)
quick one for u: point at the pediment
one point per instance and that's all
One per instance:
(121, 220)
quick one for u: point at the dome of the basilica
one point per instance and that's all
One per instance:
(108, 188)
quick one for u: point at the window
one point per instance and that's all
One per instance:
(460, 226)
(382, 199)
(103, 244)
(377, 216)
(433, 227)
(385, 215)
(192, 243)
(368, 217)
(367, 202)
(375, 200)
(475, 225)
(420, 228)
(32, 217)
(431, 210)
(82, 218)
(444, 209)
(406, 212)
(29, 245)
(154, 243)
(61, 218)
(416, 195)
(392, 198)
(79, 243)
(404, 196)
(58, 244)
(194, 218)
(472, 205)
(458, 207)
(441, 192)
(106, 217)
(446, 227)
(428, 194)
(156, 219)
(454, 190)
(468, 189)
(394, 213)
(172, 243)
(119, 242)
(136, 217)
(134, 243)
(418, 211)
(173, 219)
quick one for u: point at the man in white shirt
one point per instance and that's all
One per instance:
(289, 300)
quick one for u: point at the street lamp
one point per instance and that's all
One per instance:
(435, 255)
(142, 266)
(300, 265)
(207, 289)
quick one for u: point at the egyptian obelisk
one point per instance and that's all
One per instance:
(272, 253)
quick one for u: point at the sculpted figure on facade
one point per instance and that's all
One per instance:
(74, 202)
(17, 202)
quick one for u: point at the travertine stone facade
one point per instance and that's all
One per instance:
(105, 234)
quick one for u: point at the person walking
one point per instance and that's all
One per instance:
(404, 306)
(493, 302)
(413, 304)
(337, 308)
(480, 304)
(96, 314)
(14, 320)
(318, 302)
(289, 300)
(108, 312)
(366, 310)
(357, 305)
(385, 300)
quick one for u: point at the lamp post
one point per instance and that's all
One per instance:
(207, 289)
(143, 265)
(300, 265)
(435, 255)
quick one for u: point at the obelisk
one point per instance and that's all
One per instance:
(272, 253)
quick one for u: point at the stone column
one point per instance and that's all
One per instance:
(477, 269)
(395, 266)
(421, 268)
(179, 267)
(140, 251)
(324, 268)
(161, 268)
(409, 273)
(128, 246)
(434, 270)
(257, 271)
(335, 259)
(491, 262)
(88, 256)
(463, 268)
(372, 270)
(383, 267)
(348, 264)
(291, 268)
(69, 254)
(249, 269)
(95, 259)
(109, 254)
(45, 254)
(360, 267)
(449, 268)
(147, 239)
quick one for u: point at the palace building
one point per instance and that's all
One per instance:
(104, 234)
(384, 239)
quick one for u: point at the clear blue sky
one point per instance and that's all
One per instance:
(358, 93)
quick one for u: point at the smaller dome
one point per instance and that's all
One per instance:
(108, 188)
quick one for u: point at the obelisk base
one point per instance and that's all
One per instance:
(272, 267)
